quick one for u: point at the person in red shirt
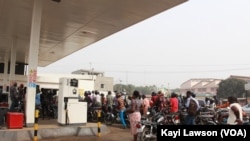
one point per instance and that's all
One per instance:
(173, 101)
(154, 99)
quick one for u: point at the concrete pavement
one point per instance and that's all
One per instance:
(51, 129)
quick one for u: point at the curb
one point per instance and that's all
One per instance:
(27, 135)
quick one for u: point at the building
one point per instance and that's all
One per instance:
(206, 86)
(245, 78)
(101, 83)
(51, 81)
(201, 86)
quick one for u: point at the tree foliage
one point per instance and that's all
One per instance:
(129, 89)
(231, 87)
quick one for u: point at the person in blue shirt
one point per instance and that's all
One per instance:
(38, 100)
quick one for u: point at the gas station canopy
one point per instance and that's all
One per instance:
(70, 25)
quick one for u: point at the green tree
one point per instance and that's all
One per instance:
(231, 87)
(131, 88)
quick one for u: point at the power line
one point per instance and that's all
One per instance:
(143, 72)
(175, 65)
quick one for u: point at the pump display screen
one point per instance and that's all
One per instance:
(73, 82)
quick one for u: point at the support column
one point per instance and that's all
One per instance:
(33, 61)
(13, 60)
(12, 66)
(5, 74)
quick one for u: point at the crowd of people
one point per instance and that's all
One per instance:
(46, 101)
(17, 96)
(43, 99)
(138, 104)
(135, 105)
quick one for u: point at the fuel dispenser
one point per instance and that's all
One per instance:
(71, 110)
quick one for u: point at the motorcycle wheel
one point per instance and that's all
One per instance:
(108, 119)
(103, 116)
(144, 134)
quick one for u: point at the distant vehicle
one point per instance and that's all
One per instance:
(246, 108)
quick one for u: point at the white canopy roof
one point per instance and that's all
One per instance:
(70, 25)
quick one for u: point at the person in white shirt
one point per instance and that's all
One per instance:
(235, 112)
(190, 118)
(97, 98)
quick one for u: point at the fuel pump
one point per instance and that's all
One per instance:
(70, 109)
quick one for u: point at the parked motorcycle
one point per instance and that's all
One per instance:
(205, 119)
(172, 119)
(19, 107)
(114, 117)
(93, 114)
(152, 111)
(182, 115)
(222, 115)
(147, 130)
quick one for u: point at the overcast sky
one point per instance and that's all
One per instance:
(197, 39)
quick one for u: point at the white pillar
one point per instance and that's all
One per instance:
(5, 74)
(13, 60)
(33, 61)
(12, 66)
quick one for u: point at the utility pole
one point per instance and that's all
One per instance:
(120, 85)
(126, 77)
(91, 70)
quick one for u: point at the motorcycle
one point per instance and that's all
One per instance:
(172, 119)
(93, 114)
(152, 111)
(19, 107)
(222, 115)
(147, 130)
(113, 116)
(183, 114)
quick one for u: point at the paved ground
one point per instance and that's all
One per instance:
(116, 134)
(49, 130)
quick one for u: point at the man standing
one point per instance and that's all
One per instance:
(192, 108)
(235, 111)
(110, 100)
(98, 100)
(13, 96)
(44, 99)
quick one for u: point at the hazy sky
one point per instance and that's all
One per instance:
(197, 39)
